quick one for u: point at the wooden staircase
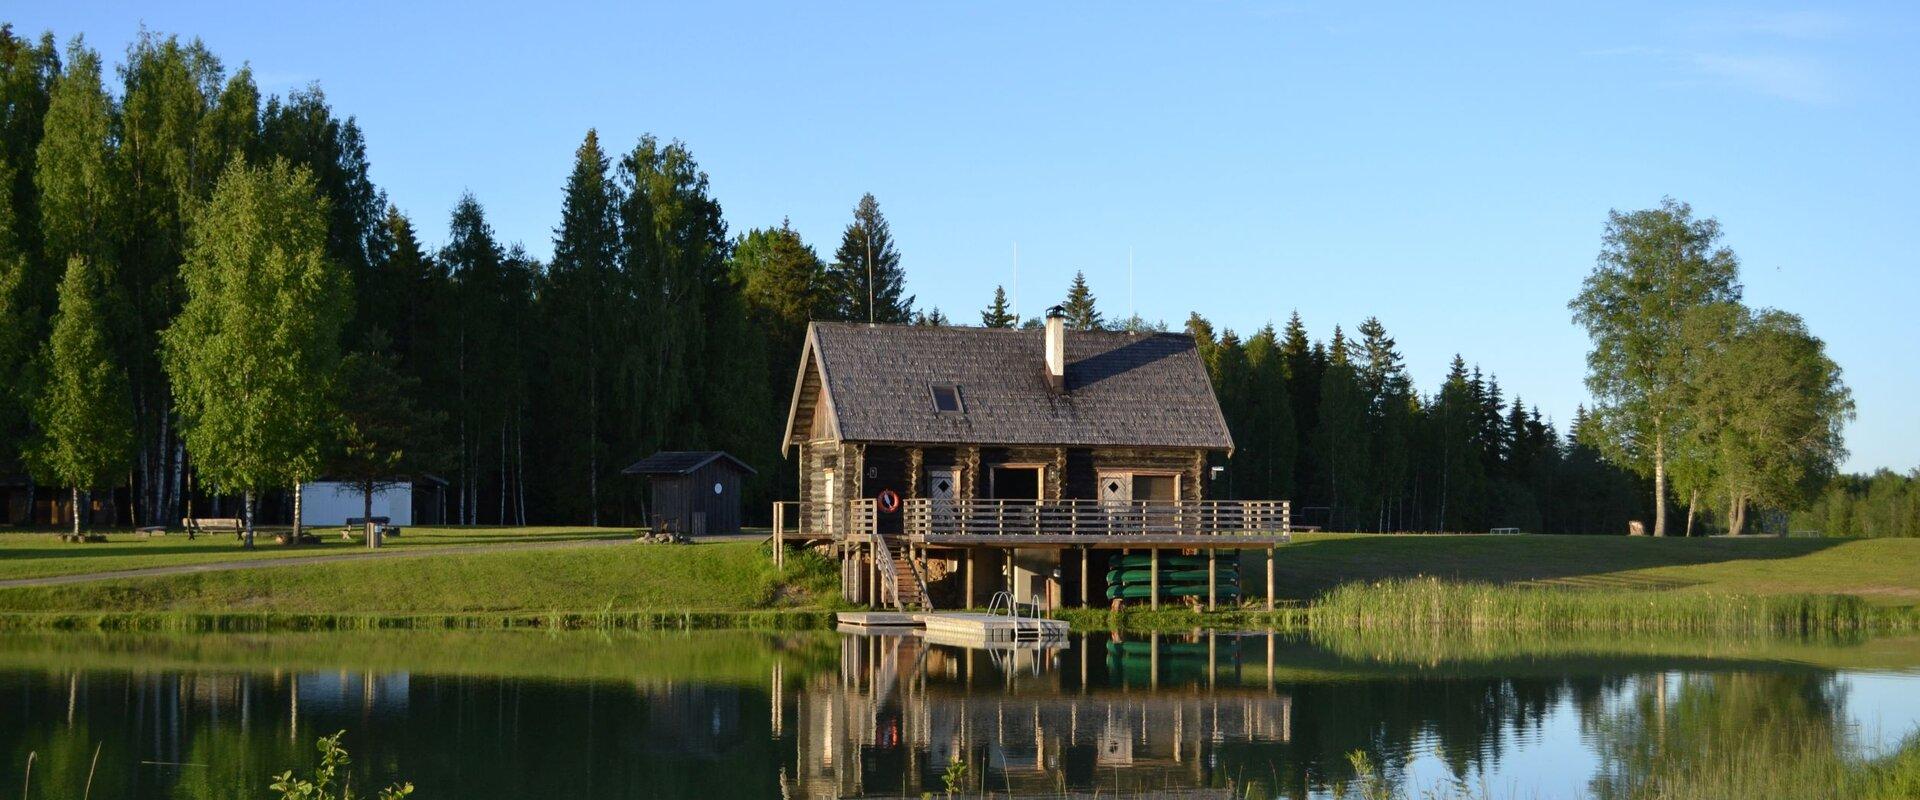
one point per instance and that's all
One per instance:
(902, 584)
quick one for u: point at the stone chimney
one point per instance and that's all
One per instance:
(1057, 349)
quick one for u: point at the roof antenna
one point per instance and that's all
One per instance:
(1130, 314)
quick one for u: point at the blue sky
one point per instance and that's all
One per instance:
(1446, 169)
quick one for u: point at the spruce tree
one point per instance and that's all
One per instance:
(302, 128)
(255, 348)
(27, 282)
(582, 330)
(998, 314)
(1082, 315)
(931, 319)
(867, 267)
(84, 414)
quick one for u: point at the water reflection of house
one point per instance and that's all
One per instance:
(888, 723)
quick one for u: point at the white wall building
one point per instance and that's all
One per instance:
(332, 503)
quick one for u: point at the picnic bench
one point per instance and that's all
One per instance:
(355, 527)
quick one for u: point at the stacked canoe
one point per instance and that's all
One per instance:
(1130, 577)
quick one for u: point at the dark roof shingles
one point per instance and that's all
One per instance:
(680, 462)
(1123, 389)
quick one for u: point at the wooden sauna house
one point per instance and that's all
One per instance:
(943, 465)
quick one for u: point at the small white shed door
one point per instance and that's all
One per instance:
(1116, 488)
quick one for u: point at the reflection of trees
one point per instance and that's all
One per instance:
(1742, 734)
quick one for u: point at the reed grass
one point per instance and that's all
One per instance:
(1430, 603)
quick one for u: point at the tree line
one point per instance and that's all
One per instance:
(207, 299)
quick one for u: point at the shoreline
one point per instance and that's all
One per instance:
(1415, 606)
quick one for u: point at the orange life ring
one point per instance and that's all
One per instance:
(889, 500)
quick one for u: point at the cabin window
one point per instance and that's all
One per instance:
(946, 398)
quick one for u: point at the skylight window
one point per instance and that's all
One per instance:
(946, 398)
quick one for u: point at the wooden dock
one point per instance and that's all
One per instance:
(957, 627)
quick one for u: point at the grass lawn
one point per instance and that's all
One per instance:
(723, 576)
(39, 554)
(1884, 572)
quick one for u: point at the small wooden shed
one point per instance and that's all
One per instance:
(695, 492)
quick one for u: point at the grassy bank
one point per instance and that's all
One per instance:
(729, 584)
(1883, 572)
(42, 554)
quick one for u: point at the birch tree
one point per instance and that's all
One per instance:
(83, 413)
(257, 342)
(1654, 266)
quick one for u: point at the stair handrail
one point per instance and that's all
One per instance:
(920, 578)
(883, 563)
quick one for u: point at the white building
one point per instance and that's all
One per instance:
(333, 503)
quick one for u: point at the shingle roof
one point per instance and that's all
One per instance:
(680, 462)
(1122, 389)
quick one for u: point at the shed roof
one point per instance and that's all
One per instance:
(682, 462)
(1122, 389)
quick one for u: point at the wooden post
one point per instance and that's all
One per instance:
(1085, 554)
(973, 566)
(1153, 580)
(1269, 577)
(1212, 589)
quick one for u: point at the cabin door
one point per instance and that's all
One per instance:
(941, 482)
(1116, 499)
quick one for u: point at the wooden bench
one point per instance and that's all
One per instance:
(146, 531)
(197, 525)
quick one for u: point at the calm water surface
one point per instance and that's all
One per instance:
(722, 714)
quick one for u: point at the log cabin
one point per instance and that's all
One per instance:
(944, 465)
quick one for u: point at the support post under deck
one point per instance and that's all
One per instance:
(1085, 555)
(1270, 578)
(1213, 590)
(1153, 578)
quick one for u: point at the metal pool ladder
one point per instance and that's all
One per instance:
(1024, 629)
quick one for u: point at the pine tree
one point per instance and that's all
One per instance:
(255, 348)
(1271, 442)
(998, 314)
(84, 413)
(931, 319)
(1082, 315)
(382, 436)
(867, 267)
(1389, 395)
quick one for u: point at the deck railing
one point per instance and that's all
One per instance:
(930, 517)
(926, 516)
(838, 520)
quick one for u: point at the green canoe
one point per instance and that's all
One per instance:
(1139, 590)
(1167, 561)
(1226, 574)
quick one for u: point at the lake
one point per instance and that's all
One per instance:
(479, 715)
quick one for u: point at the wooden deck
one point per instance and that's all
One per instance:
(961, 627)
